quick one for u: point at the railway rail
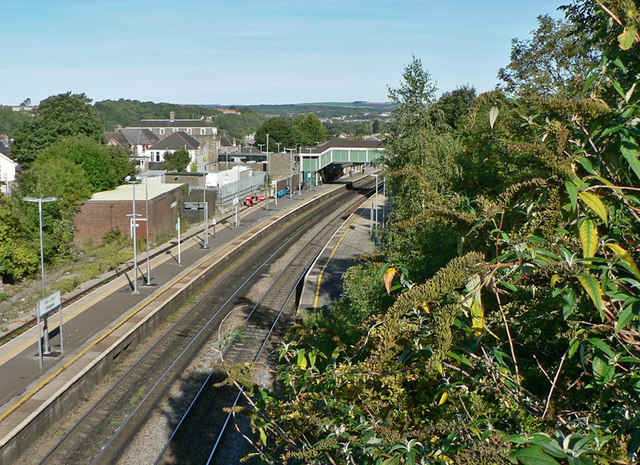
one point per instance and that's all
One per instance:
(120, 271)
(107, 432)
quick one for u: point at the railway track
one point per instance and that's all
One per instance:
(108, 431)
(15, 332)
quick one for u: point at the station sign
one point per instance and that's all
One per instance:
(48, 304)
(194, 205)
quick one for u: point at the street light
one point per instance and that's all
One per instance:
(146, 195)
(376, 176)
(133, 182)
(40, 201)
(205, 244)
(266, 204)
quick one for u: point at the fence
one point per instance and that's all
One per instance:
(240, 189)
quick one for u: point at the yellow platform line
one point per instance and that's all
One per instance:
(108, 333)
(335, 249)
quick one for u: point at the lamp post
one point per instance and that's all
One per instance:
(376, 201)
(290, 171)
(146, 195)
(40, 201)
(300, 170)
(266, 204)
(133, 182)
(205, 244)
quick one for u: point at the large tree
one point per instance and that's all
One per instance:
(280, 131)
(311, 129)
(56, 117)
(104, 166)
(555, 62)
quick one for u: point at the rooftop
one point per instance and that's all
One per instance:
(125, 192)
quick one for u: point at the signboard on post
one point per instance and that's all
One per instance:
(48, 304)
(43, 308)
(194, 205)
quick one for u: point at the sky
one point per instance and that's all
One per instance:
(247, 52)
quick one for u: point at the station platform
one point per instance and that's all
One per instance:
(93, 323)
(323, 283)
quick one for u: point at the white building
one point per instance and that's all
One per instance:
(8, 168)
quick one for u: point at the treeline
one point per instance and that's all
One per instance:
(126, 112)
(10, 120)
(498, 321)
(323, 110)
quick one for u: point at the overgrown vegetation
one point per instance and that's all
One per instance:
(498, 322)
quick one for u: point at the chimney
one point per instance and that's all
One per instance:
(172, 116)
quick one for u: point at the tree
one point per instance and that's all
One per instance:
(280, 130)
(104, 166)
(178, 160)
(310, 128)
(612, 26)
(58, 177)
(56, 117)
(555, 61)
(18, 254)
(453, 107)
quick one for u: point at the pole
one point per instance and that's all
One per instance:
(135, 242)
(178, 227)
(47, 346)
(146, 194)
(205, 244)
(299, 170)
(266, 204)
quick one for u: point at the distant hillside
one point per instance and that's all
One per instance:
(126, 112)
(323, 109)
(352, 119)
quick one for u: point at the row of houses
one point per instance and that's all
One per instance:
(150, 140)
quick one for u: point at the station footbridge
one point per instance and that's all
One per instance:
(338, 157)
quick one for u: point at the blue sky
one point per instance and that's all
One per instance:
(253, 52)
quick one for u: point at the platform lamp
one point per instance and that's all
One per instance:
(133, 181)
(266, 204)
(40, 201)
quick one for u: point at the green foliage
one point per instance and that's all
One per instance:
(10, 120)
(18, 255)
(178, 160)
(56, 117)
(127, 112)
(302, 130)
(280, 131)
(523, 346)
(452, 108)
(104, 166)
(310, 128)
(555, 62)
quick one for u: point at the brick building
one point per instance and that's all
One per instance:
(107, 211)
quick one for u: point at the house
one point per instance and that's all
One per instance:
(136, 140)
(8, 167)
(200, 129)
(172, 143)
